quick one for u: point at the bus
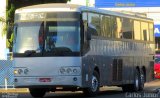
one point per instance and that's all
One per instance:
(77, 48)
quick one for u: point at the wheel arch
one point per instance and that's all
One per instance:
(138, 68)
(97, 70)
(144, 72)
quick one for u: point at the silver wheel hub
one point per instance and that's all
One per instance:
(94, 84)
(137, 82)
(142, 78)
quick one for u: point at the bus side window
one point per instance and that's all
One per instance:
(127, 28)
(144, 31)
(94, 23)
(137, 30)
(85, 25)
(151, 31)
(85, 32)
(113, 23)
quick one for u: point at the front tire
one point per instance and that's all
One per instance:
(94, 89)
(36, 93)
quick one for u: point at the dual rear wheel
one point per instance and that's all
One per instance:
(138, 84)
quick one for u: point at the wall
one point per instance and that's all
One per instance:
(2, 38)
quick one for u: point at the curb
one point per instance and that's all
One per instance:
(14, 90)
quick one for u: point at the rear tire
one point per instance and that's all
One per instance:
(135, 86)
(36, 93)
(142, 81)
(94, 89)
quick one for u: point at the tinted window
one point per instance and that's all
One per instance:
(113, 26)
(137, 30)
(29, 36)
(94, 23)
(151, 31)
(105, 26)
(118, 33)
(144, 31)
(127, 28)
(62, 35)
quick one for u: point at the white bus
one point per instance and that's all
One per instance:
(71, 47)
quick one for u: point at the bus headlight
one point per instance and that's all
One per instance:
(62, 70)
(26, 71)
(70, 70)
(20, 71)
(75, 70)
(15, 72)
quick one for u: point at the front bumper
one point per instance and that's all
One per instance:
(69, 81)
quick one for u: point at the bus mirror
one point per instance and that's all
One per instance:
(91, 31)
(9, 32)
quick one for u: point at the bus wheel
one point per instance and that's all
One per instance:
(142, 80)
(135, 86)
(94, 89)
(35, 92)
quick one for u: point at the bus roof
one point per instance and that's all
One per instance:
(52, 7)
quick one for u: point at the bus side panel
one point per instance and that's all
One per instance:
(103, 63)
(149, 62)
(128, 63)
(116, 61)
(150, 71)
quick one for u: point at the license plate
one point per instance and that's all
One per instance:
(44, 79)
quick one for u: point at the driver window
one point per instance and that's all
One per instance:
(85, 24)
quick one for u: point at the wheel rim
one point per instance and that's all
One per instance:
(94, 84)
(137, 82)
(142, 80)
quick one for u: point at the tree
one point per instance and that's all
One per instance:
(14, 4)
(3, 22)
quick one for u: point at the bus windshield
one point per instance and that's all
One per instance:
(47, 36)
(62, 35)
(27, 36)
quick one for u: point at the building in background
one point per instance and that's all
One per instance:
(3, 49)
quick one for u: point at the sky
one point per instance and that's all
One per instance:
(82, 2)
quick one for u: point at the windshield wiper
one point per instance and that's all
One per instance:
(61, 51)
(30, 52)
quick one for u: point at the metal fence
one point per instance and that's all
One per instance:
(6, 74)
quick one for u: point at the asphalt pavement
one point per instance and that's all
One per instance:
(151, 90)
